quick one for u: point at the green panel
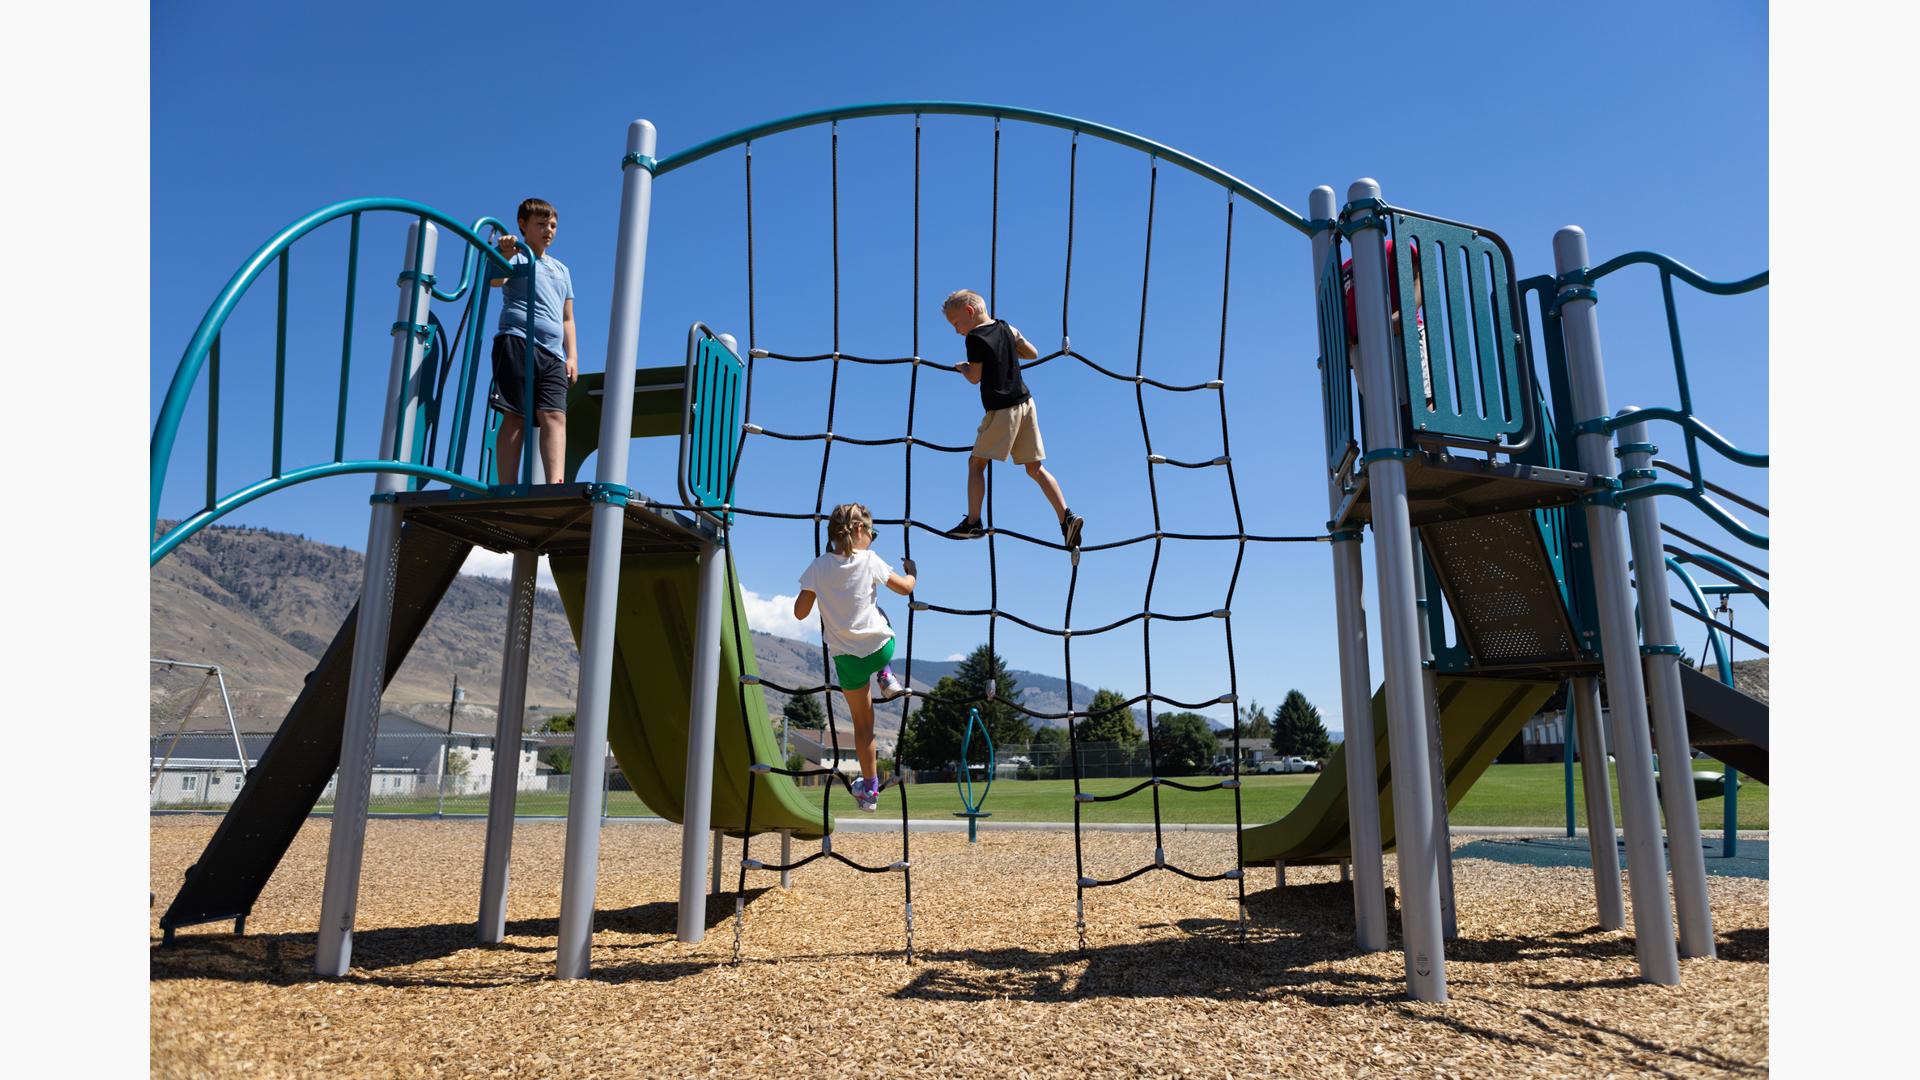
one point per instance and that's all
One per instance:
(1477, 390)
(713, 423)
(1336, 376)
(658, 410)
(652, 691)
(1478, 718)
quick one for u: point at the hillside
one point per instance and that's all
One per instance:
(264, 606)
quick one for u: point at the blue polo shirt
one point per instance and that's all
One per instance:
(553, 287)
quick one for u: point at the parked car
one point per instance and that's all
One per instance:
(1289, 764)
(1222, 768)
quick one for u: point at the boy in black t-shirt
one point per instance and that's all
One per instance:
(1011, 427)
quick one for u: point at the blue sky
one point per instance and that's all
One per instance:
(260, 114)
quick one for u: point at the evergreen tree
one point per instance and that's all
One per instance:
(931, 737)
(1184, 743)
(1108, 721)
(1297, 729)
(803, 711)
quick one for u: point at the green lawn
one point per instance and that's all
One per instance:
(1505, 795)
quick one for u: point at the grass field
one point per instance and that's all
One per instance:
(1505, 795)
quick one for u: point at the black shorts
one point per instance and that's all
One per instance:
(510, 378)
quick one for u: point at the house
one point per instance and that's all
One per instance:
(815, 746)
(1543, 738)
(411, 758)
(1252, 750)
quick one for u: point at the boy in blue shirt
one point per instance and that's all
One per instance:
(556, 357)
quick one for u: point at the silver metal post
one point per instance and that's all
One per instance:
(347, 842)
(1667, 701)
(1430, 698)
(581, 874)
(1619, 640)
(506, 749)
(1602, 838)
(1420, 921)
(1356, 684)
(226, 705)
(703, 701)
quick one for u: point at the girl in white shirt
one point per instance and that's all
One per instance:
(845, 582)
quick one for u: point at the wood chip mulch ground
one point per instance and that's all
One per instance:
(998, 986)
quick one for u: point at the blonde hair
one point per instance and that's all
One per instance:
(965, 296)
(843, 528)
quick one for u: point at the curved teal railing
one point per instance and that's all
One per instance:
(1692, 429)
(996, 112)
(203, 356)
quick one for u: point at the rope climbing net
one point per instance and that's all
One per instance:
(1066, 632)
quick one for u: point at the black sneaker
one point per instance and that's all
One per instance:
(1070, 530)
(968, 529)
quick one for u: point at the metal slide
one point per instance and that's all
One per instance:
(283, 786)
(1725, 723)
(1478, 717)
(652, 677)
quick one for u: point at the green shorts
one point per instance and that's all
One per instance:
(854, 671)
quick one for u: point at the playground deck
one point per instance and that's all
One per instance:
(999, 988)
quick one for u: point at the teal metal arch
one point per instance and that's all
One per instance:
(193, 361)
(996, 112)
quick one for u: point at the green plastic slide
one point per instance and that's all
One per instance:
(652, 681)
(1478, 718)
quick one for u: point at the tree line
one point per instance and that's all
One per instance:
(1183, 742)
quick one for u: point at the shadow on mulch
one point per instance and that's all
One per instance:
(287, 959)
(1293, 937)
(1557, 1028)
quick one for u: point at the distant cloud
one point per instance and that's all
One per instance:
(774, 615)
(494, 564)
(958, 656)
(769, 614)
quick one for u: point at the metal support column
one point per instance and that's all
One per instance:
(1356, 684)
(506, 749)
(1430, 697)
(1619, 639)
(1666, 701)
(581, 873)
(347, 841)
(704, 699)
(1583, 704)
(1420, 921)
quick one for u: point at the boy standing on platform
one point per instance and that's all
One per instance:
(1011, 427)
(556, 357)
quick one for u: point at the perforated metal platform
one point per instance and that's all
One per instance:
(550, 519)
(1443, 487)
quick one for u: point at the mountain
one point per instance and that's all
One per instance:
(264, 606)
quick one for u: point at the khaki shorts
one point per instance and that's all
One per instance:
(1014, 431)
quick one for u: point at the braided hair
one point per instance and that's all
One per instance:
(844, 526)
